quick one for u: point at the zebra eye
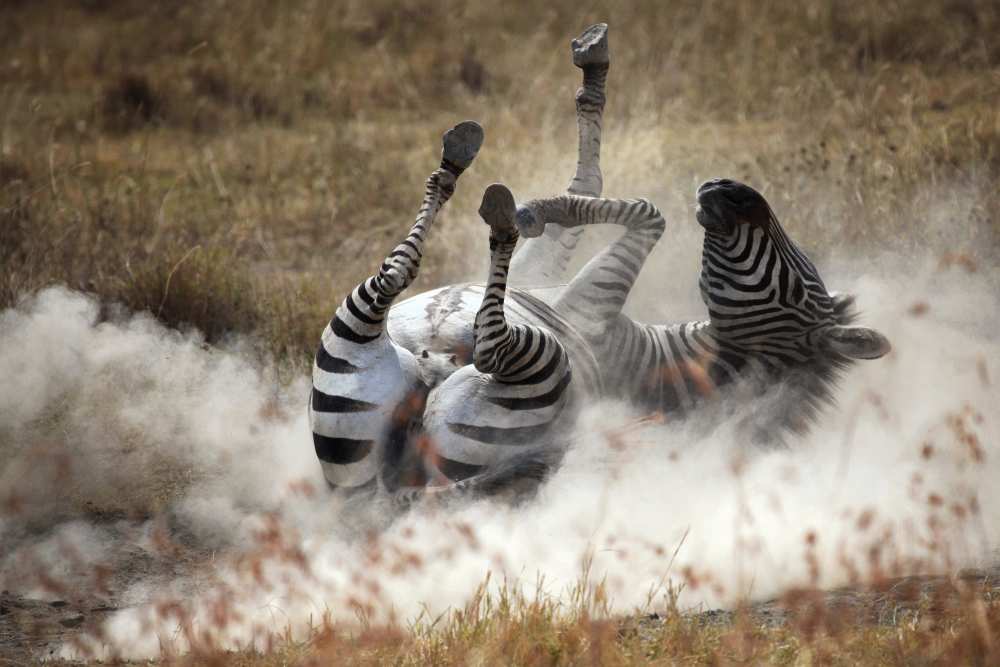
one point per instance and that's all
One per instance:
(424, 354)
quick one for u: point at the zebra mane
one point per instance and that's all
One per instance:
(818, 377)
(816, 381)
(802, 391)
(845, 309)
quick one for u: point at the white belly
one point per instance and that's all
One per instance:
(436, 326)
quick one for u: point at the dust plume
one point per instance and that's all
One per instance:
(177, 481)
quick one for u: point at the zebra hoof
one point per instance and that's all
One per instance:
(498, 211)
(591, 47)
(461, 144)
(528, 223)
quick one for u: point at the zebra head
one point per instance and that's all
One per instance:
(762, 292)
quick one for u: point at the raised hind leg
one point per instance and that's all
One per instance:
(504, 409)
(544, 260)
(593, 301)
(366, 389)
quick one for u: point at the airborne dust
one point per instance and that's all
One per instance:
(176, 482)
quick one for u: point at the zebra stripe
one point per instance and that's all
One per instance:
(768, 307)
(367, 394)
(520, 387)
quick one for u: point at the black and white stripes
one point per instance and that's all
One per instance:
(367, 392)
(545, 261)
(771, 318)
(519, 393)
(475, 388)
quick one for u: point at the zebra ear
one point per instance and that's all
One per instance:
(856, 342)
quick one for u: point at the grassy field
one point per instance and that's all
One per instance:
(236, 167)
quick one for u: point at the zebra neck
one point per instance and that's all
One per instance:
(671, 369)
(668, 368)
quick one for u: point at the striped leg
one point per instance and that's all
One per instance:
(500, 412)
(596, 296)
(510, 353)
(590, 53)
(544, 260)
(361, 317)
(367, 390)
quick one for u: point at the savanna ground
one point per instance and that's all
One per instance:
(235, 167)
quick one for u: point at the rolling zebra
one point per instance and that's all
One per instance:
(472, 388)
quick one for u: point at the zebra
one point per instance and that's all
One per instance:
(472, 388)
(498, 421)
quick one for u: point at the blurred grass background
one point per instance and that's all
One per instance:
(237, 166)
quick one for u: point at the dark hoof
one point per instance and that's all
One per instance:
(462, 142)
(528, 223)
(498, 210)
(591, 47)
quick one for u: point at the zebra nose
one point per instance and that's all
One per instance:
(714, 183)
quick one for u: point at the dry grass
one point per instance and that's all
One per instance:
(947, 622)
(507, 629)
(237, 166)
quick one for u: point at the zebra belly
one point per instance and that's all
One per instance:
(471, 420)
(437, 326)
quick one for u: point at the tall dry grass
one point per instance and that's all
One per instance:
(236, 166)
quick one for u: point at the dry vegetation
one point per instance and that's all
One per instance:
(237, 166)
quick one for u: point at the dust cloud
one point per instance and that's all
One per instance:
(178, 482)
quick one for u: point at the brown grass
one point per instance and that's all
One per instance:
(949, 622)
(237, 166)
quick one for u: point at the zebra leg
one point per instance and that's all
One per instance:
(590, 53)
(544, 260)
(361, 317)
(366, 389)
(496, 419)
(510, 353)
(595, 297)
